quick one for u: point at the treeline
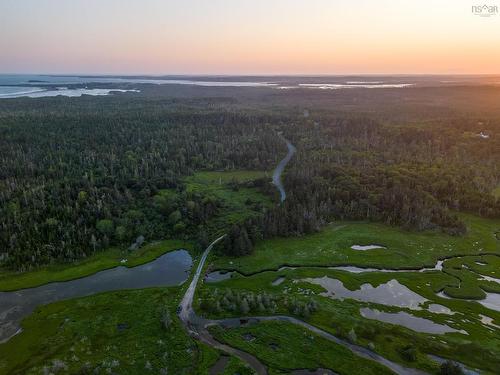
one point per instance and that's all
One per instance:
(242, 303)
(241, 238)
(217, 301)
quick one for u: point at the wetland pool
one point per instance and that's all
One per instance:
(169, 269)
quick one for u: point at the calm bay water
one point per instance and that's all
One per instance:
(36, 86)
(168, 270)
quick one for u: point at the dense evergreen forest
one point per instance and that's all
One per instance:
(417, 177)
(78, 175)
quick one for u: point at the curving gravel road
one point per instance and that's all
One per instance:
(197, 326)
(186, 305)
(281, 167)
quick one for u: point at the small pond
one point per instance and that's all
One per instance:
(216, 276)
(486, 320)
(278, 281)
(439, 309)
(489, 278)
(407, 320)
(354, 269)
(391, 293)
(492, 301)
(367, 247)
(168, 270)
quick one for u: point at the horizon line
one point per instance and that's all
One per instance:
(250, 74)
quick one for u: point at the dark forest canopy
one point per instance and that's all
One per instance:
(82, 174)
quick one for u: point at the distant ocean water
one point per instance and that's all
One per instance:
(35, 86)
(39, 92)
(12, 86)
(38, 86)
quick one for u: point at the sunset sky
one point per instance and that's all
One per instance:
(247, 37)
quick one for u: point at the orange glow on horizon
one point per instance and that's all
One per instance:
(247, 37)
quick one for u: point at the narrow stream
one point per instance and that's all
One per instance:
(220, 275)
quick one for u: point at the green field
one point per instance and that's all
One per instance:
(118, 332)
(283, 347)
(478, 349)
(332, 246)
(113, 332)
(100, 261)
(224, 177)
(239, 200)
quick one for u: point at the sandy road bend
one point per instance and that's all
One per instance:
(196, 326)
(186, 306)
